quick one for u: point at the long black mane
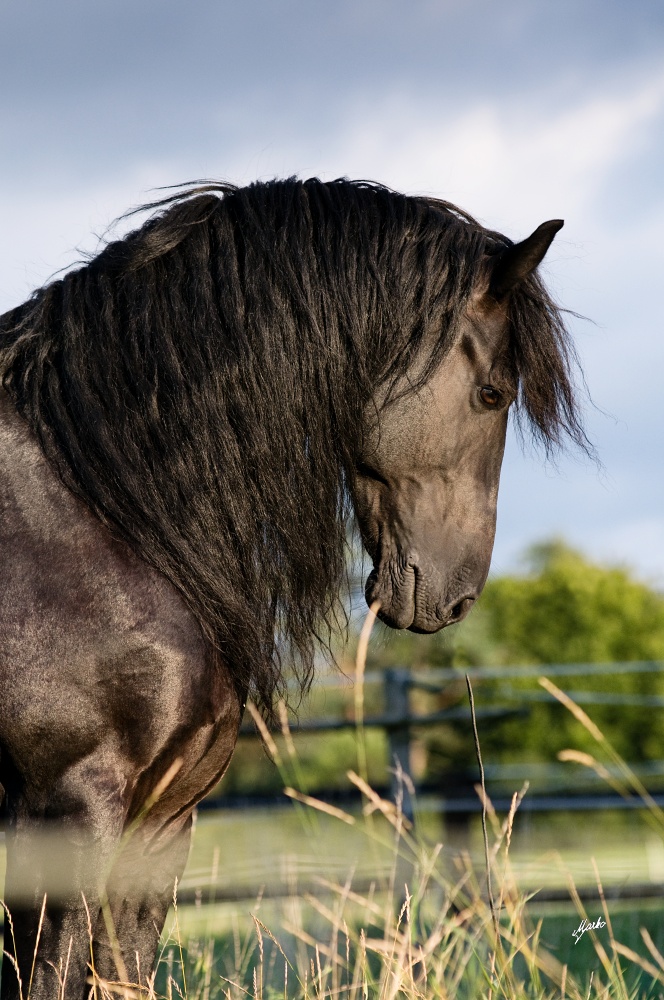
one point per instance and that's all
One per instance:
(201, 385)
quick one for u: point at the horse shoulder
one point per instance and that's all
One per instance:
(95, 645)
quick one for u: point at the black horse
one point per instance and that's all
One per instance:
(187, 423)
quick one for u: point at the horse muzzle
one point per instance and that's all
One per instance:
(409, 600)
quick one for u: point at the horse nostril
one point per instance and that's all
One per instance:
(461, 609)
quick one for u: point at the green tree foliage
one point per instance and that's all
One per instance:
(565, 609)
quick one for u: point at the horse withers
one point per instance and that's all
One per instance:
(187, 422)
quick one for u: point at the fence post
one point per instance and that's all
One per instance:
(397, 684)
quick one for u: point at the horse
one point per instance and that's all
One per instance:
(189, 422)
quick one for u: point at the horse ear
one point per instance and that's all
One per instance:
(512, 265)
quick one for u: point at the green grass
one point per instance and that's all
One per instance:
(435, 938)
(426, 925)
(361, 906)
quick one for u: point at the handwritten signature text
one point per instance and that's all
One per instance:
(587, 925)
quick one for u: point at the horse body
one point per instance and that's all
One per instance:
(106, 682)
(179, 418)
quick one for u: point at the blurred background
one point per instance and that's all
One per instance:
(518, 111)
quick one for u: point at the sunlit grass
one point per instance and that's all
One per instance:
(416, 933)
(422, 928)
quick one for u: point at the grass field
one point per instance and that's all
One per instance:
(267, 849)
(312, 902)
(338, 927)
(361, 906)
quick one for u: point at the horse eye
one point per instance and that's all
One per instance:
(489, 395)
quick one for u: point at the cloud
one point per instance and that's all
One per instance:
(503, 157)
(507, 161)
(512, 160)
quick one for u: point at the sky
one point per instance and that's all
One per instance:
(519, 111)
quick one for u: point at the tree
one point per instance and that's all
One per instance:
(565, 609)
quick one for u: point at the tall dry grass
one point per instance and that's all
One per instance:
(425, 931)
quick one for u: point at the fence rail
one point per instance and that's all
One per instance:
(400, 723)
(553, 791)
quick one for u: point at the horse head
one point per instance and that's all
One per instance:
(426, 483)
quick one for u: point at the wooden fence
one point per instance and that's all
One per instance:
(401, 723)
